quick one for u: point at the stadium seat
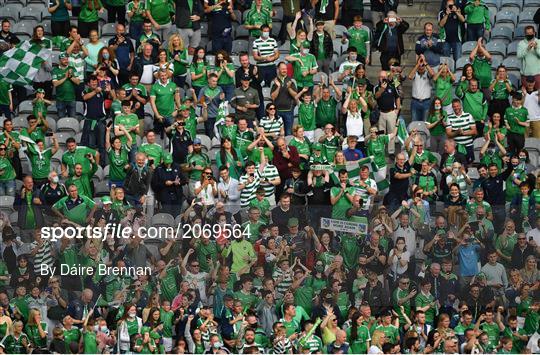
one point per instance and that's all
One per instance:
(512, 48)
(162, 220)
(108, 29)
(106, 171)
(320, 77)
(47, 27)
(13, 218)
(526, 16)
(519, 32)
(461, 62)
(468, 47)
(57, 158)
(6, 204)
(449, 61)
(31, 12)
(340, 30)
(502, 33)
(11, 11)
(98, 176)
(422, 129)
(492, 4)
(339, 48)
(19, 122)
(276, 27)
(101, 189)
(318, 134)
(511, 4)
(204, 29)
(496, 60)
(514, 80)
(241, 32)
(68, 124)
(506, 16)
(496, 47)
(62, 137)
(278, 14)
(239, 46)
(24, 27)
(512, 63)
(532, 144)
(205, 141)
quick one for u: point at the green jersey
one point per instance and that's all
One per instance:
(513, 115)
(244, 139)
(443, 89)
(377, 148)
(248, 300)
(359, 345)
(305, 64)
(391, 332)
(194, 159)
(71, 336)
(78, 156)
(139, 9)
(500, 91)
(397, 295)
(326, 112)
(359, 39)
(152, 151)
(65, 92)
(160, 10)
(7, 173)
(180, 64)
(76, 211)
(164, 95)
(197, 68)
(166, 319)
(5, 90)
(330, 147)
(256, 17)
(169, 288)
(89, 12)
(482, 72)
(128, 121)
(426, 300)
(40, 162)
(492, 331)
(306, 116)
(13, 345)
(439, 128)
(33, 334)
(40, 107)
(117, 162)
(339, 210)
(90, 343)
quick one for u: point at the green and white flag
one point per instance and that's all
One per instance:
(402, 133)
(19, 65)
(354, 173)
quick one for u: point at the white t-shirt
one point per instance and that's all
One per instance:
(396, 267)
(532, 105)
(355, 125)
(206, 195)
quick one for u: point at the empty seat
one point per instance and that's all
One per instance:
(6, 204)
(468, 47)
(162, 220)
(461, 62)
(24, 27)
(241, 32)
(102, 189)
(31, 12)
(206, 142)
(512, 63)
(512, 48)
(496, 60)
(340, 30)
(496, 47)
(501, 32)
(506, 16)
(11, 11)
(278, 14)
(239, 46)
(532, 144)
(527, 16)
(449, 61)
(511, 4)
(19, 122)
(108, 29)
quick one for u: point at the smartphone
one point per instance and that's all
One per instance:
(110, 123)
(49, 134)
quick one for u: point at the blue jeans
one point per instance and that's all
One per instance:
(4, 110)
(220, 42)
(7, 188)
(288, 121)
(93, 135)
(474, 31)
(452, 48)
(133, 153)
(65, 108)
(135, 31)
(420, 109)
(228, 90)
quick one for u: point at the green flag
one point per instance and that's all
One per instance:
(19, 65)
(402, 133)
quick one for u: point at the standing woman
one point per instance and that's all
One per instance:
(299, 37)
(5, 323)
(198, 69)
(59, 10)
(93, 47)
(129, 326)
(230, 157)
(500, 89)
(444, 81)
(43, 78)
(225, 71)
(302, 144)
(106, 59)
(178, 54)
(436, 125)
(136, 11)
(354, 121)
(36, 330)
(89, 16)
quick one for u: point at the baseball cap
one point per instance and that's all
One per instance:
(40, 91)
(63, 55)
(197, 141)
(245, 77)
(293, 222)
(106, 200)
(318, 22)
(183, 107)
(316, 146)
(529, 79)
(362, 81)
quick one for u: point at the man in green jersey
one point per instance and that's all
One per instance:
(6, 99)
(159, 13)
(137, 93)
(475, 103)
(341, 197)
(74, 207)
(77, 155)
(305, 66)
(152, 150)
(72, 334)
(83, 181)
(325, 111)
(40, 159)
(516, 120)
(130, 122)
(65, 82)
(401, 299)
(255, 18)
(164, 100)
(358, 37)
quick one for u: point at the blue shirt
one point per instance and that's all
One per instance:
(468, 259)
(353, 154)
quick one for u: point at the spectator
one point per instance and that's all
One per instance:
(475, 104)
(246, 100)
(388, 38)
(421, 76)
(430, 46)
(137, 181)
(451, 23)
(188, 22)
(283, 93)
(7, 38)
(159, 13)
(358, 36)
(322, 47)
(477, 19)
(136, 12)
(389, 104)
(221, 18)
(265, 53)
(532, 105)
(328, 11)
(164, 99)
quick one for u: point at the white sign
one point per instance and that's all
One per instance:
(339, 225)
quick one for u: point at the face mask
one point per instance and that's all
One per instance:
(352, 57)
(305, 51)
(265, 34)
(106, 55)
(515, 165)
(132, 314)
(200, 55)
(455, 171)
(96, 327)
(319, 268)
(529, 37)
(522, 159)
(437, 107)
(55, 179)
(104, 329)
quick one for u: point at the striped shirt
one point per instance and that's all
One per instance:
(460, 180)
(248, 192)
(315, 344)
(76, 61)
(465, 121)
(43, 256)
(241, 348)
(286, 280)
(269, 172)
(282, 346)
(265, 48)
(271, 126)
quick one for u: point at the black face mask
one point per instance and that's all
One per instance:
(529, 37)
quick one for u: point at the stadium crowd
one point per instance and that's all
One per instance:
(311, 217)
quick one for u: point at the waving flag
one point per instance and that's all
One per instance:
(19, 65)
(402, 133)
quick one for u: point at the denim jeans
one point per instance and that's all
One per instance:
(475, 31)
(65, 108)
(228, 90)
(420, 109)
(135, 32)
(93, 135)
(288, 121)
(7, 188)
(452, 49)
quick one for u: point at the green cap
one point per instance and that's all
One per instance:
(167, 159)
(293, 222)
(183, 107)
(106, 200)
(145, 330)
(40, 91)
(63, 55)
(362, 81)
(316, 146)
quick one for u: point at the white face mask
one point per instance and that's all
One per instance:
(132, 314)
(437, 107)
(305, 51)
(55, 179)
(265, 34)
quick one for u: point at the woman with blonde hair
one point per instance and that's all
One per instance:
(36, 330)
(300, 37)
(178, 55)
(5, 323)
(378, 339)
(339, 161)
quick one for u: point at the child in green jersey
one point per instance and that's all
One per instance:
(306, 113)
(40, 104)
